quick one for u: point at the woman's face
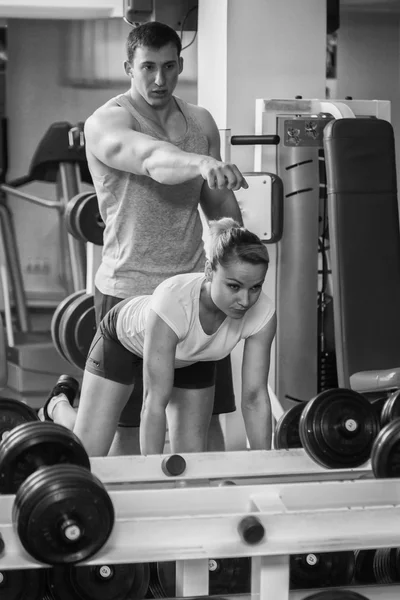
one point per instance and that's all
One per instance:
(236, 287)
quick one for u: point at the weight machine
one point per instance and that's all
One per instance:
(300, 272)
(59, 159)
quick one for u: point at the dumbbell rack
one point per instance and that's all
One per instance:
(189, 524)
(257, 466)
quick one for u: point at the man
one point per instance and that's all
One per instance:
(154, 159)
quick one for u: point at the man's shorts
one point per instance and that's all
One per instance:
(131, 366)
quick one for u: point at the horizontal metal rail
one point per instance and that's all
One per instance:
(240, 466)
(186, 524)
(31, 198)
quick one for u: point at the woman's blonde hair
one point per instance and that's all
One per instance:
(229, 241)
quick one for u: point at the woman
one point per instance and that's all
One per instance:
(176, 335)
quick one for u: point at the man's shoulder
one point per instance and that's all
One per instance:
(199, 112)
(110, 109)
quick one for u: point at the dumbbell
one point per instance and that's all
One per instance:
(336, 595)
(364, 567)
(323, 569)
(337, 428)
(27, 584)
(391, 408)
(96, 582)
(62, 512)
(385, 454)
(14, 413)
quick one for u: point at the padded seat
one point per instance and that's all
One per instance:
(365, 251)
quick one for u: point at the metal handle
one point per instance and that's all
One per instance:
(250, 140)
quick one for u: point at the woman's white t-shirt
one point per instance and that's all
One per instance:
(176, 301)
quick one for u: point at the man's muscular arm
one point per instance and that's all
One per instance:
(217, 201)
(112, 140)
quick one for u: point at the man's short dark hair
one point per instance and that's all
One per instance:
(152, 35)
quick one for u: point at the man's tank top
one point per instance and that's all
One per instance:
(153, 231)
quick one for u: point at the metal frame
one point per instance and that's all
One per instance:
(190, 525)
(244, 467)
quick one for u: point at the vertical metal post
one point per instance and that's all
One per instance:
(192, 577)
(13, 267)
(270, 577)
(70, 187)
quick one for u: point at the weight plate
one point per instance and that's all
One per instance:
(84, 331)
(378, 405)
(63, 514)
(229, 576)
(385, 455)
(287, 429)
(226, 576)
(89, 224)
(386, 567)
(336, 595)
(56, 319)
(69, 325)
(322, 569)
(363, 571)
(70, 213)
(100, 582)
(14, 413)
(155, 589)
(33, 445)
(28, 584)
(391, 409)
(337, 428)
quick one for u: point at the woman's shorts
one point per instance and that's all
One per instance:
(109, 359)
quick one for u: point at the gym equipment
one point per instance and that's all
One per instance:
(221, 469)
(61, 511)
(300, 267)
(386, 565)
(99, 582)
(83, 218)
(363, 570)
(337, 595)
(77, 329)
(385, 451)
(56, 319)
(173, 465)
(58, 159)
(377, 405)
(14, 413)
(188, 525)
(324, 569)
(391, 408)
(226, 576)
(70, 212)
(73, 327)
(361, 178)
(287, 428)
(338, 427)
(29, 584)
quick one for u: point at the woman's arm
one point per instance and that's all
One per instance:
(256, 405)
(158, 380)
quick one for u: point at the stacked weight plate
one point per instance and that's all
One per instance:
(83, 220)
(73, 327)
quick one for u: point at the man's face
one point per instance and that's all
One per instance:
(155, 73)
